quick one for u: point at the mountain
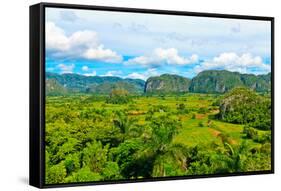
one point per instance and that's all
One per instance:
(259, 83)
(167, 83)
(53, 87)
(208, 81)
(94, 84)
(107, 87)
(221, 81)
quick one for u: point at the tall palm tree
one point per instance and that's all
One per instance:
(160, 147)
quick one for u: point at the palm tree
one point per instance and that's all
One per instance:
(161, 149)
(124, 123)
(235, 156)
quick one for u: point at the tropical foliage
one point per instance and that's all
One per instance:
(124, 136)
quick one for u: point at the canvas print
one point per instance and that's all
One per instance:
(142, 96)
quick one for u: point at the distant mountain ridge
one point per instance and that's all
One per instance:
(209, 81)
(86, 84)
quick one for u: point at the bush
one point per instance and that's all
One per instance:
(56, 174)
(200, 124)
(250, 132)
(193, 116)
(182, 109)
(203, 110)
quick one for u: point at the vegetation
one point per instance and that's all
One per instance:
(215, 81)
(95, 137)
(244, 106)
(209, 81)
(167, 83)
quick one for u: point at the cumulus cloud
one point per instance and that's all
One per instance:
(80, 44)
(55, 38)
(93, 73)
(66, 68)
(143, 76)
(113, 73)
(244, 63)
(85, 68)
(160, 56)
(100, 53)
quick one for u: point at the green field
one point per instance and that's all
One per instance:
(90, 139)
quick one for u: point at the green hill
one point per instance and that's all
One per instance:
(167, 83)
(96, 84)
(220, 81)
(107, 87)
(209, 81)
(53, 87)
(244, 106)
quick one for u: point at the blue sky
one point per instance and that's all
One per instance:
(134, 45)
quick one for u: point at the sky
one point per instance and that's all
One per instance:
(138, 46)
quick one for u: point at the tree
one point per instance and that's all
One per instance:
(162, 151)
(95, 156)
(118, 96)
(56, 174)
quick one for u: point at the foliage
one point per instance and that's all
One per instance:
(76, 83)
(56, 174)
(166, 83)
(244, 106)
(118, 96)
(88, 139)
(221, 81)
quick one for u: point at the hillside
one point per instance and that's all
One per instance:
(221, 81)
(209, 81)
(95, 84)
(167, 83)
(107, 87)
(53, 87)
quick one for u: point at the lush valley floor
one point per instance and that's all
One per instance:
(91, 139)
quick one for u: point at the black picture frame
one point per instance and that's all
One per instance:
(37, 90)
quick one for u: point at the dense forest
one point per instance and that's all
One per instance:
(109, 128)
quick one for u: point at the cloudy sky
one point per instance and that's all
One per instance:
(135, 45)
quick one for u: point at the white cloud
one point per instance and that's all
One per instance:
(66, 68)
(233, 62)
(102, 54)
(85, 68)
(160, 55)
(80, 44)
(93, 73)
(55, 38)
(143, 76)
(113, 73)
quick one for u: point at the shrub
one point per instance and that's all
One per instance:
(250, 132)
(202, 110)
(200, 124)
(56, 174)
(193, 116)
(182, 109)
